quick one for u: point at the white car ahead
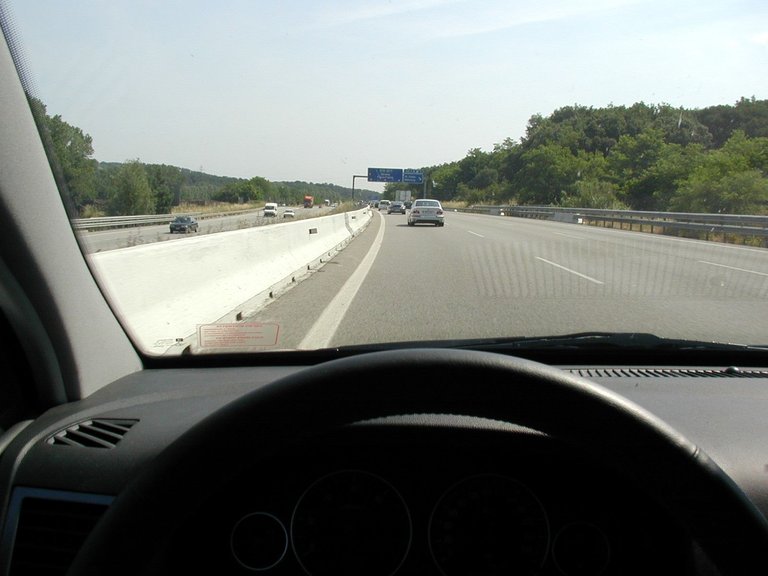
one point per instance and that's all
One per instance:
(427, 211)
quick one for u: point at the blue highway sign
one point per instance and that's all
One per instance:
(385, 174)
(413, 176)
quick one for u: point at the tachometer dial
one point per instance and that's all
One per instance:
(486, 525)
(351, 522)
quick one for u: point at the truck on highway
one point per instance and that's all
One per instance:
(309, 201)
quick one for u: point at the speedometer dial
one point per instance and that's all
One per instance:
(351, 523)
(488, 525)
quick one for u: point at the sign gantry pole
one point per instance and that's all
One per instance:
(353, 184)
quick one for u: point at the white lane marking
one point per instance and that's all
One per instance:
(734, 268)
(319, 336)
(570, 236)
(476, 234)
(579, 274)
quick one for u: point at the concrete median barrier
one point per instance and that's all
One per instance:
(168, 289)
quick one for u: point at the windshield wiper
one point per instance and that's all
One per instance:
(602, 340)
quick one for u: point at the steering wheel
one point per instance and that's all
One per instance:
(128, 539)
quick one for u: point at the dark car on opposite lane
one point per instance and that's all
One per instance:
(184, 224)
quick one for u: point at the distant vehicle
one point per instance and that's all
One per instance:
(408, 204)
(270, 209)
(184, 224)
(396, 207)
(426, 211)
(289, 213)
(384, 204)
(309, 201)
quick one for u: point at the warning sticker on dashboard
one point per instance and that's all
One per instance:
(240, 335)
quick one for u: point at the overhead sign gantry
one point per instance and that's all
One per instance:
(407, 175)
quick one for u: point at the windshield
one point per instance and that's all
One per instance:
(602, 167)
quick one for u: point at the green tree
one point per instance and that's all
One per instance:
(631, 162)
(165, 183)
(731, 180)
(442, 181)
(235, 192)
(261, 189)
(485, 178)
(594, 194)
(748, 115)
(252, 190)
(680, 126)
(675, 164)
(105, 186)
(547, 174)
(472, 164)
(598, 130)
(70, 152)
(745, 152)
(132, 193)
(744, 192)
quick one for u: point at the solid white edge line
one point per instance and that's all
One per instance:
(319, 336)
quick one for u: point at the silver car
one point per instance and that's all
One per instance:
(396, 207)
(427, 211)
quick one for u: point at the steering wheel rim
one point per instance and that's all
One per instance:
(732, 531)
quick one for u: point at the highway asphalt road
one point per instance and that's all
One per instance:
(486, 276)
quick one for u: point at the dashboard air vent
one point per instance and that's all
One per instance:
(49, 534)
(669, 373)
(100, 433)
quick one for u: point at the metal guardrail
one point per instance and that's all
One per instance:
(122, 221)
(740, 225)
(101, 222)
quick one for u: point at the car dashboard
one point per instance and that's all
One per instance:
(405, 494)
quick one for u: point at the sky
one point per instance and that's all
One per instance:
(320, 91)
